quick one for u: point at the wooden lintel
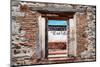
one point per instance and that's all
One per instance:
(58, 15)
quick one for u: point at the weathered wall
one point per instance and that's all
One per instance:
(81, 35)
(25, 45)
(85, 30)
(24, 34)
(85, 22)
(89, 33)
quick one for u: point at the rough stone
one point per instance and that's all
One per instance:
(26, 48)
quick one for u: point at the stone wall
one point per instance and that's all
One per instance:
(25, 47)
(24, 34)
(90, 30)
(80, 31)
(85, 22)
(86, 27)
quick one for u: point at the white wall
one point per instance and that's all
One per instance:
(57, 38)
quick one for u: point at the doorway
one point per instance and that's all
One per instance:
(56, 39)
(56, 34)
